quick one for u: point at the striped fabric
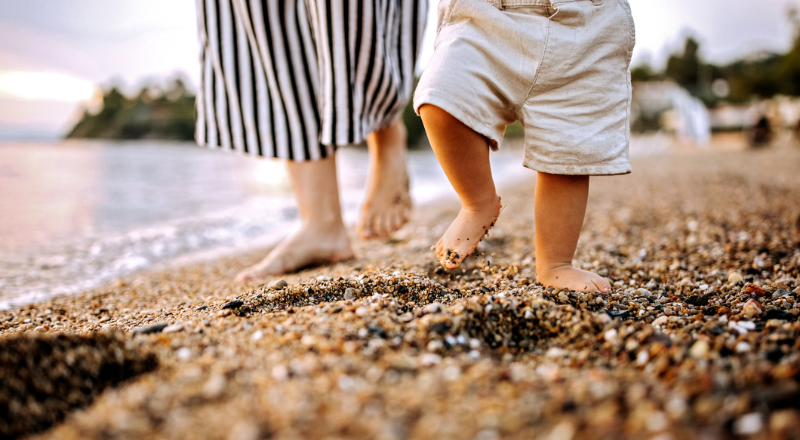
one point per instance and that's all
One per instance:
(292, 79)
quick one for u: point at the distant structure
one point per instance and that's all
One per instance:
(666, 106)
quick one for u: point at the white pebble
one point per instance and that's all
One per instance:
(742, 347)
(183, 354)
(748, 424)
(172, 328)
(430, 359)
(611, 335)
(257, 335)
(642, 357)
(279, 372)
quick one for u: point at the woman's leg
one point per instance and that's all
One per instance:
(322, 239)
(388, 204)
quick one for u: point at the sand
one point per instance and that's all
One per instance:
(699, 338)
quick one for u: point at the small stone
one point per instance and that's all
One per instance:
(622, 314)
(742, 347)
(277, 285)
(735, 277)
(697, 300)
(797, 290)
(433, 308)
(752, 288)
(642, 358)
(779, 314)
(235, 304)
(661, 320)
(183, 354)
(699, 350)
(257, 335)
(748, 424)
(172, 328)
(752, 308)
(350, 294)
(644, 292)
(611, 335)
(215, 386)
(152, 328)
(223, 313)
(430, 359)
(563, 297)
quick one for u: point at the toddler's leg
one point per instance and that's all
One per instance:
(560, 207)
(464, 156)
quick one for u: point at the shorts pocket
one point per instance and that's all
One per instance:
(626, 10)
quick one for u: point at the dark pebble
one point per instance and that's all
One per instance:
(622, 314)
(440, 327)
(779, 314)
(201, 308)
(152, 328)
(233, 304)
(711, 310)
(484, 289)
(697, 300)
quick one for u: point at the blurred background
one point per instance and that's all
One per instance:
(98, 177)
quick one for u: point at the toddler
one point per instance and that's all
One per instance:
(561, 67)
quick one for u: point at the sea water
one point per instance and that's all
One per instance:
(77, 214)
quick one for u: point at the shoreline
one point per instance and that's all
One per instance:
(391, 346)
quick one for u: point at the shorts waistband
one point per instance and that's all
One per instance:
(501, 4)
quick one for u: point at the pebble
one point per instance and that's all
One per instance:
(752, 308)
(748, 424)
(277, 285)
(699, 349)
(430, 359)
(235, 304)
(735, 277)
(174, 328)
(152, 328)
(350, 294)
(183, 354)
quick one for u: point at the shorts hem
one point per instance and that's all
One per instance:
(578, 170)
(468, 119)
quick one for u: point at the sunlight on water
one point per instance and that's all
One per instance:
(78, 214)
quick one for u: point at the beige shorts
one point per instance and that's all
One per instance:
(561, 67)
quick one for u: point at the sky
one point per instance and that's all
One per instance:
(55, 54)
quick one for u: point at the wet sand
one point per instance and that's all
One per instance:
(699, 338)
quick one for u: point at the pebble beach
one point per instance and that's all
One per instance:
(699, 338)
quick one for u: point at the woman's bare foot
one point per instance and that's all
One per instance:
(566, 276)
(310, 246)
(387, 205)
(463, 235)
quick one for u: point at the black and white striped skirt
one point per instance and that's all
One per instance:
(292, 79)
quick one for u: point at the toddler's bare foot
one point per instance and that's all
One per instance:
(566, 276)
(308, 247)
(463, 235)
(387, 205)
